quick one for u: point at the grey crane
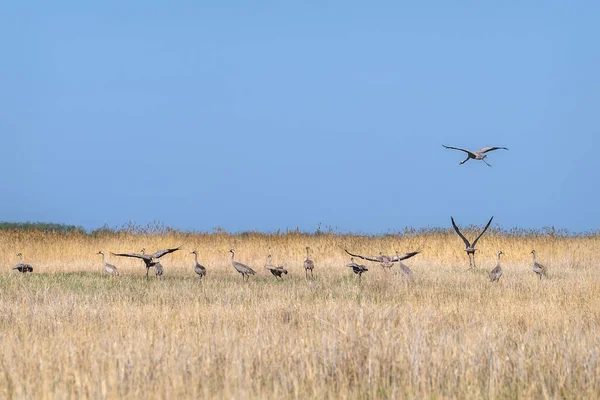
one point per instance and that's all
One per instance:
(158, 270)
(357, 268)
(480, 154)
(383, 260)
(22, 267)
(151, 260)
(276, 271)
(471, 246)
(404, 270)
(108, 268)
(243, 269)
(198, 268)
(538, 268)
(496, 273)
(309, 265)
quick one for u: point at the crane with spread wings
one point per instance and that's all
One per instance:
(151, 260)
(480, 154)
(385, 261)
(470, 247)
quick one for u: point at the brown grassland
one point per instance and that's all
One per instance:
(71, 331)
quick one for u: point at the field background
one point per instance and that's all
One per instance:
(68, 330)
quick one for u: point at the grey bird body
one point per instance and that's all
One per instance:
(357, 268)
(158, 269)
(385, 261)
(496, 273)
(199, 269)
(480, 154)
(470, 247)
(108, 268)
(151, 260)
(538, 268)
(404, 270)
(243, 269)
(309, 265)
(21, 267)
(275, 271)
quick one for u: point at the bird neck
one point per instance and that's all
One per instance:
(196, 257)
(20, 259)
(499, 258)
(533, 258)
(103, 257)
(232, 255)
(307, 254)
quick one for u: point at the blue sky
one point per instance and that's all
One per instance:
(287, 114)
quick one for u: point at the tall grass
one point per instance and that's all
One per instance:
(70, 331)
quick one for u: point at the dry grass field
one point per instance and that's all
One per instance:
(71, 331)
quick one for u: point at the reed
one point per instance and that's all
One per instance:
(69, 330)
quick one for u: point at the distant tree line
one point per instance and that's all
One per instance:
(40, 226)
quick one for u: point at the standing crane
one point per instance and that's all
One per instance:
(243, 269)
(198, 268)
(496, 273)
(22, 267)
(108, 268)
(276, 271)
(357, 268)
(309, 265)
(538, 268)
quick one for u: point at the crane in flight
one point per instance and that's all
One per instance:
(480, 154)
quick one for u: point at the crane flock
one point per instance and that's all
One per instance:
(386, 262)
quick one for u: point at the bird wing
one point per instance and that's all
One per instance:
(161, 253)
(482, 232)
(458, 148)
(460, 234)
(488, 149)
(401, 257)
(134, 255)
(375, 259)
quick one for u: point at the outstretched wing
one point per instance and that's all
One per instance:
(161, 253)
(470, 153)
(460, 234)
(134, 255)
(375, 259)
(487, 149)
(482, 232)
(401, 257)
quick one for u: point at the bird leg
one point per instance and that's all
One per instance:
(311, 273)
(147, 270)
(486, 163)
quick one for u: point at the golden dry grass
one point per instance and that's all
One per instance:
(70, 331)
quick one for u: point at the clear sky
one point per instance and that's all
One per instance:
(266, 115)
